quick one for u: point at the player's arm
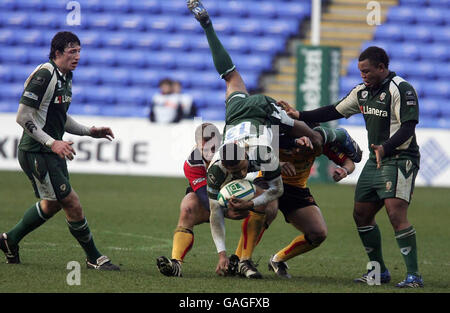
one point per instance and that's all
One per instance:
(340, 172)
(345, 166)
(217, 224)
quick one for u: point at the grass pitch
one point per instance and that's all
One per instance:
(133, 218)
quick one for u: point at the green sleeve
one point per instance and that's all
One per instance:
(35, 89)
(215, 178)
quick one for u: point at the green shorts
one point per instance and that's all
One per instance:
(258, 109)
(394, 179)
(48, 174)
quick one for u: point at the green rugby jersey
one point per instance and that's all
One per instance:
(50, 92)
(384, 110)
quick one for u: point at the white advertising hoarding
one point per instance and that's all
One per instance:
(144, 148)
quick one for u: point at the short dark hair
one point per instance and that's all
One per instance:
(60, 42)
(231, 154)
(375, 55)
(165, 81)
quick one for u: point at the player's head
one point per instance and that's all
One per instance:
(373, 65)
(234, 159)
(65, 51)
(207, 138)
(165, 86)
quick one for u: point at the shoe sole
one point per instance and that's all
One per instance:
(270, 267)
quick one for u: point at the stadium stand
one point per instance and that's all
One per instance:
(416, 36)
(128, 46)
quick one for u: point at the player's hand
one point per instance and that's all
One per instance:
(287, 169)
(236, 215)
(304, 142)
(222, 265)
(239, 204)
(379, 153)
(102, 132)
(64, 149)
(339, 173)
(289, 109)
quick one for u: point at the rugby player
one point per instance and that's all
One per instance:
(42, 152)
(390, 108)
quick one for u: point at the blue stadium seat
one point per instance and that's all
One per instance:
(437, 89)
(442, 70)
(406, 51)
(7, 37)
(445, 110)
(90, 39)
(199, 43)
(225, 25)
(145, 78)
(417, 3)
(21, 73)
(354, 120)
(38, 55)
(192, 61)
(238, 44)
(347, 83)
(231, 8)
(115, 40)
(211, 114)
(386, 45)
(188, 26)
(6, 73)
(401, 15)
(283, 27)
(99, 22)
(114, 76)
(11, 55)
(146, 41)
(8, 5)
(116, 6)
(441, 34)
(160, 23)
(159, 60)
(248, 26)
(206, 79)
(417, 70)
(417, 33)
(99, 94)
(131, 58)
(252, 62)
(176, 42)
(389, 32)
(92, 6)
(131, 96)
(174, 8)
(86, 109)
(11, 92)
(31, 38)
(439, 3)
(250, 80)
(435, 52)
(55, 5)
(15, 19)
(266, 9)
(87, 75)
(293, 10)
(431, 16)
(99, 57)
(145, 6)
(30, 5)
(431, 107)
(130, 22)
(270, 45)
(125, 111)
(9, 106)
(47, 20)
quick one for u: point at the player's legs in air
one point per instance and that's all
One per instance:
(235, 84)
(191, 213)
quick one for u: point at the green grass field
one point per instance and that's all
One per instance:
(133, 218)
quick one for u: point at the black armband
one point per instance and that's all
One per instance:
(320, 115)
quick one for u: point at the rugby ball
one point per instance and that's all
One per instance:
(240, 188)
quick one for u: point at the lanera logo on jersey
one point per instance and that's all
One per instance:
(372, 111)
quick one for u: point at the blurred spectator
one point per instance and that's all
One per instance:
(164, 107)
(185, 100)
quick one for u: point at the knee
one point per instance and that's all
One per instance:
(360, 218)
(50, 208)
(318, 236)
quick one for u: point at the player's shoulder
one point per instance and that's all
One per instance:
(195, 159)
(403, 88)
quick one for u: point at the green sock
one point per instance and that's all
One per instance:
(221, 58)
(371, 240)
(80, 230)
(406, 240)
(331, 135)
(32, 219)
